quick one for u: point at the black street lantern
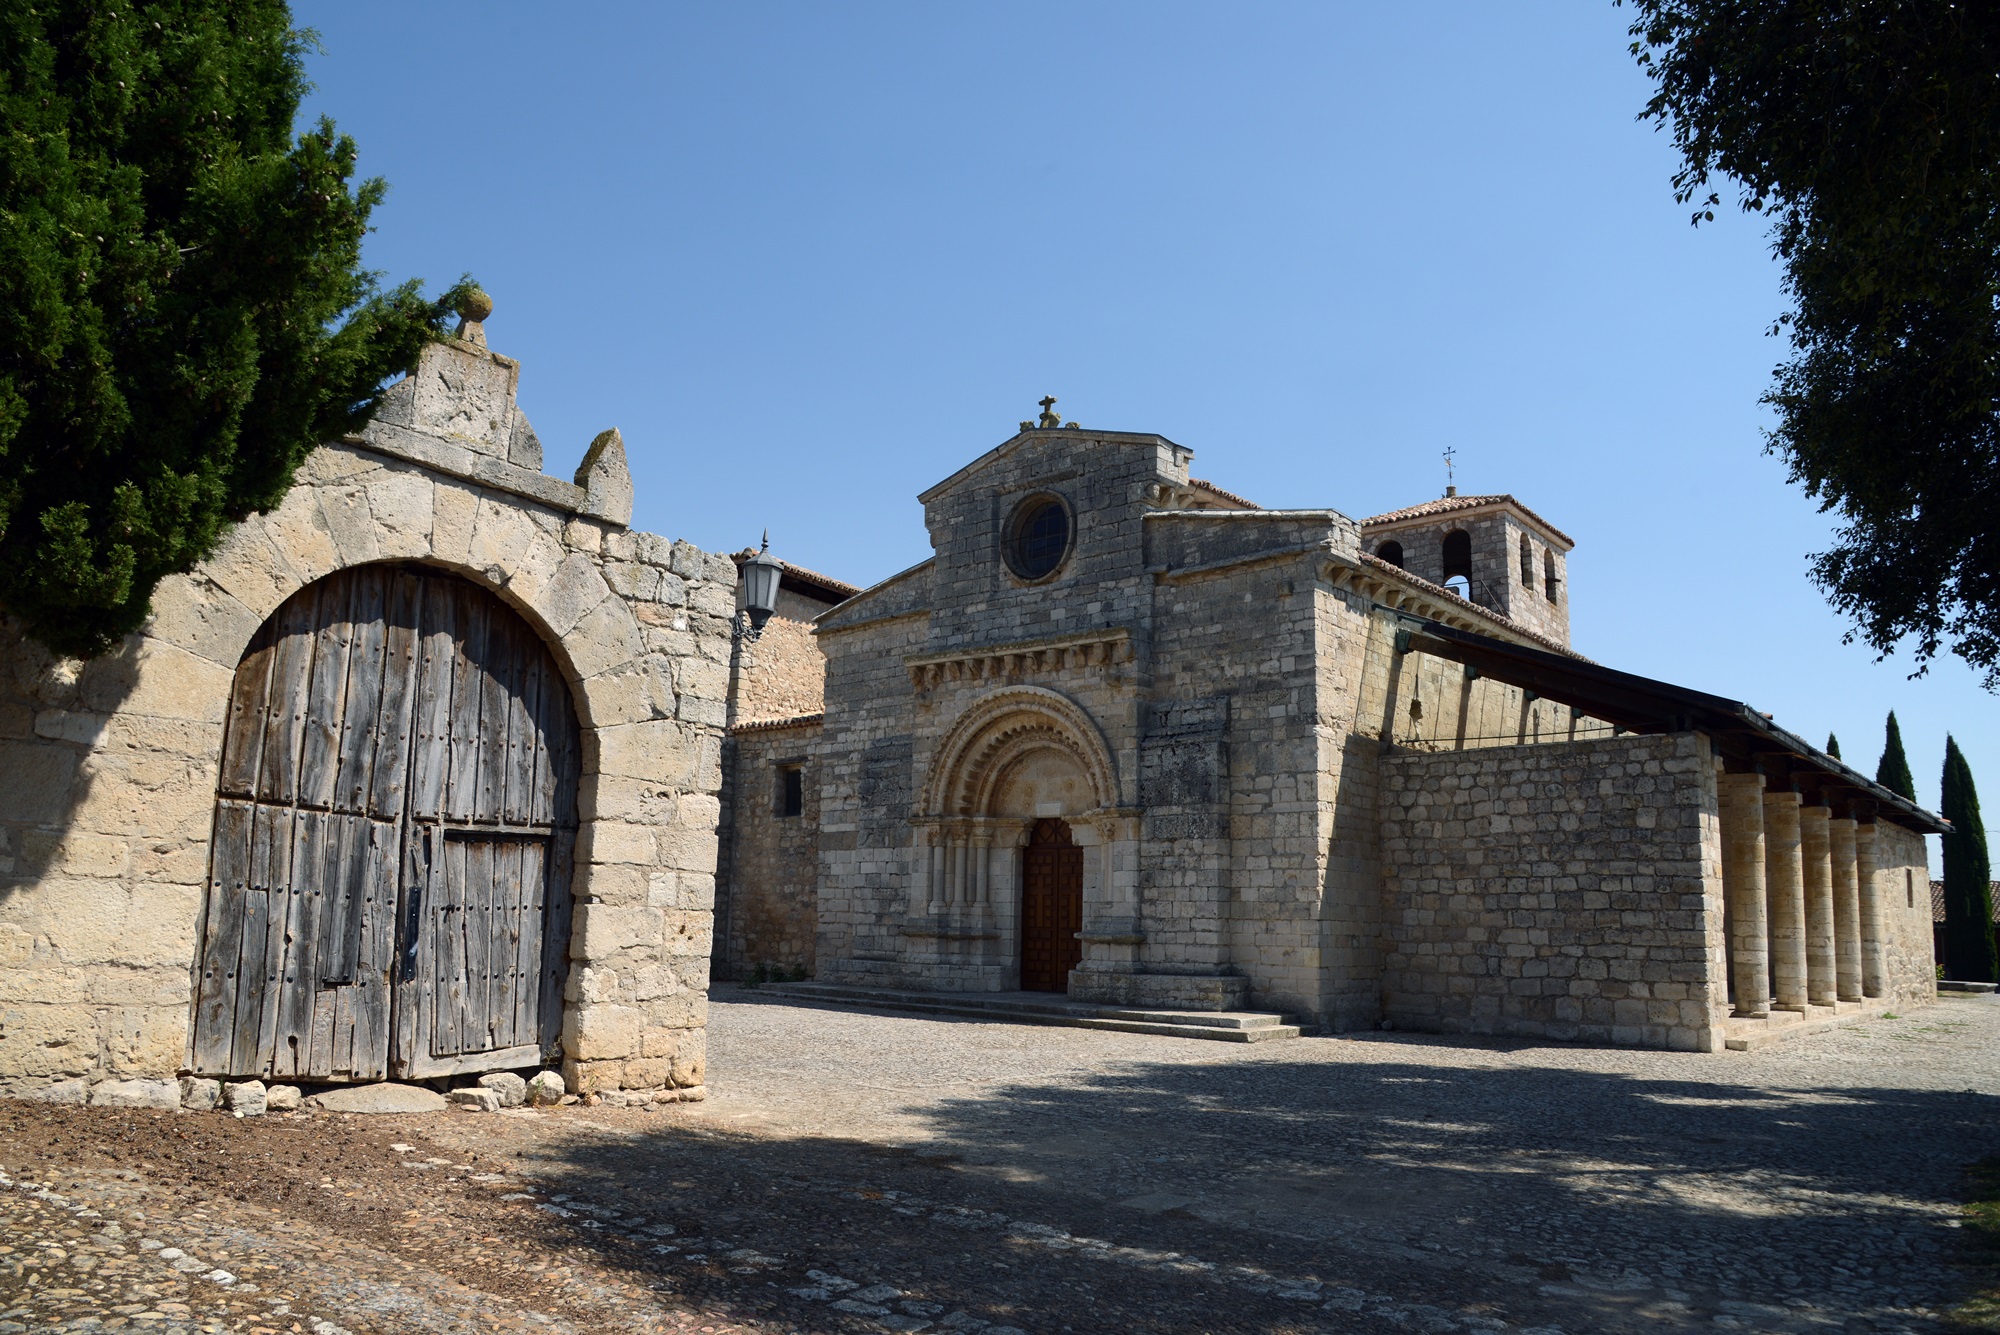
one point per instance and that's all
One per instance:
(760, 584)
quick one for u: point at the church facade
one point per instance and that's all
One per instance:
(1130, 738)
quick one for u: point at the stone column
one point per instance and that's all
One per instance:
(1846, 911)
(1816, 861)
(982, 861)
(1874, 964)
(930, 897)
(1784, 883)
(1743, 886)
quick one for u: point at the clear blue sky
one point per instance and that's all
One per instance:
(811, 258)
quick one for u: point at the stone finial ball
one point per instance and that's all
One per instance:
(475, 305)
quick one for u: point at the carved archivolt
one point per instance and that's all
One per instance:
(999, 730)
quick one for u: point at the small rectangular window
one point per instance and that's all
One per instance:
(791, 791)
(1909, 888)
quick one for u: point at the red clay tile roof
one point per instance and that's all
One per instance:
(1445, 505)
(1937, 902)
(838, 587)
(771, 724)
(1229, 496)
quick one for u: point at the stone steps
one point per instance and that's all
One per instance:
(1745, 1033)
(1030, 1008)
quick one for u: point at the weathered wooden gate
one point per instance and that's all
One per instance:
(1051, 908)
(388, 885)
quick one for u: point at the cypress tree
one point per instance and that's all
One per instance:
(1833, 746)
(1969, 953)
(185, 315)
(1893, 772)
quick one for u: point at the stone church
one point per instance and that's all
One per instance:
(1130, 738)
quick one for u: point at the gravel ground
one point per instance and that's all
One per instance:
(860, 1172)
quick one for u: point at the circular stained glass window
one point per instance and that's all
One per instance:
(1038, 536)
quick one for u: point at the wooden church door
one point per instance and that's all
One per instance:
(388, 888)
(1051, 908)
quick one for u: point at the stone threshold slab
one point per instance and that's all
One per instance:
(1046, 1008)
(1743, 1033)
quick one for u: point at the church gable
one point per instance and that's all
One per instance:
(1043, 534)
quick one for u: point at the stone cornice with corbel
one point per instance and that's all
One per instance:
(1392, 587)
(1108, 647)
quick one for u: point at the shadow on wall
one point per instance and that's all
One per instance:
(1406, 1180)
(54, 714)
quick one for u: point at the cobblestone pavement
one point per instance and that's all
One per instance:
(858, 1172)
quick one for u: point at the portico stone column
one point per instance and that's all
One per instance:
(1784, 884)
(1743, 886)
(1874, 965)
(1816, 859)
(1846, 911)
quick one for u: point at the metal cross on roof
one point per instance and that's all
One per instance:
(1449, 477)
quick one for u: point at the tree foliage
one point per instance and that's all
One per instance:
(1869, 130)
(183, 314)
(1969, 952)
(1893, 770)
(1833, 746)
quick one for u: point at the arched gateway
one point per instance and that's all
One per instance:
(388, 891)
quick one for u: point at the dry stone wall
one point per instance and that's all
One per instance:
(1569, 891)
(111, 765)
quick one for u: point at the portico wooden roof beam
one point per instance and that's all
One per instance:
(1647, 705)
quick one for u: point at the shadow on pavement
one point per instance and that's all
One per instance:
(1597, 1201)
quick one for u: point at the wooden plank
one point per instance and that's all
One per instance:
(500, 667)
(361, 713)
(370, 993)
(337, 847)
(291, 919)
(505, 1060)
(400, 654)
(222, 939)
(271, 872)
(326, 696)
(410, 1000)
(437, 657)
(468, 681)
(526, 931)
(553, 964)
(502, 944)
(555, 765)
(310, 850)
(243, 736)
(524, 743)
(340, 950)
(447, 981)
(476, 930)
(285, 707)
(247, 1055)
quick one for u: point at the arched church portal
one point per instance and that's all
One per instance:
(388, 889)
(1017, 860)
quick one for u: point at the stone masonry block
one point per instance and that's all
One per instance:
(602, 930)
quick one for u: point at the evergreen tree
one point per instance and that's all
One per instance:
(1867, 132)
(1969, 953)
(183, 314)
(1893, 772)
(1833, 746)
